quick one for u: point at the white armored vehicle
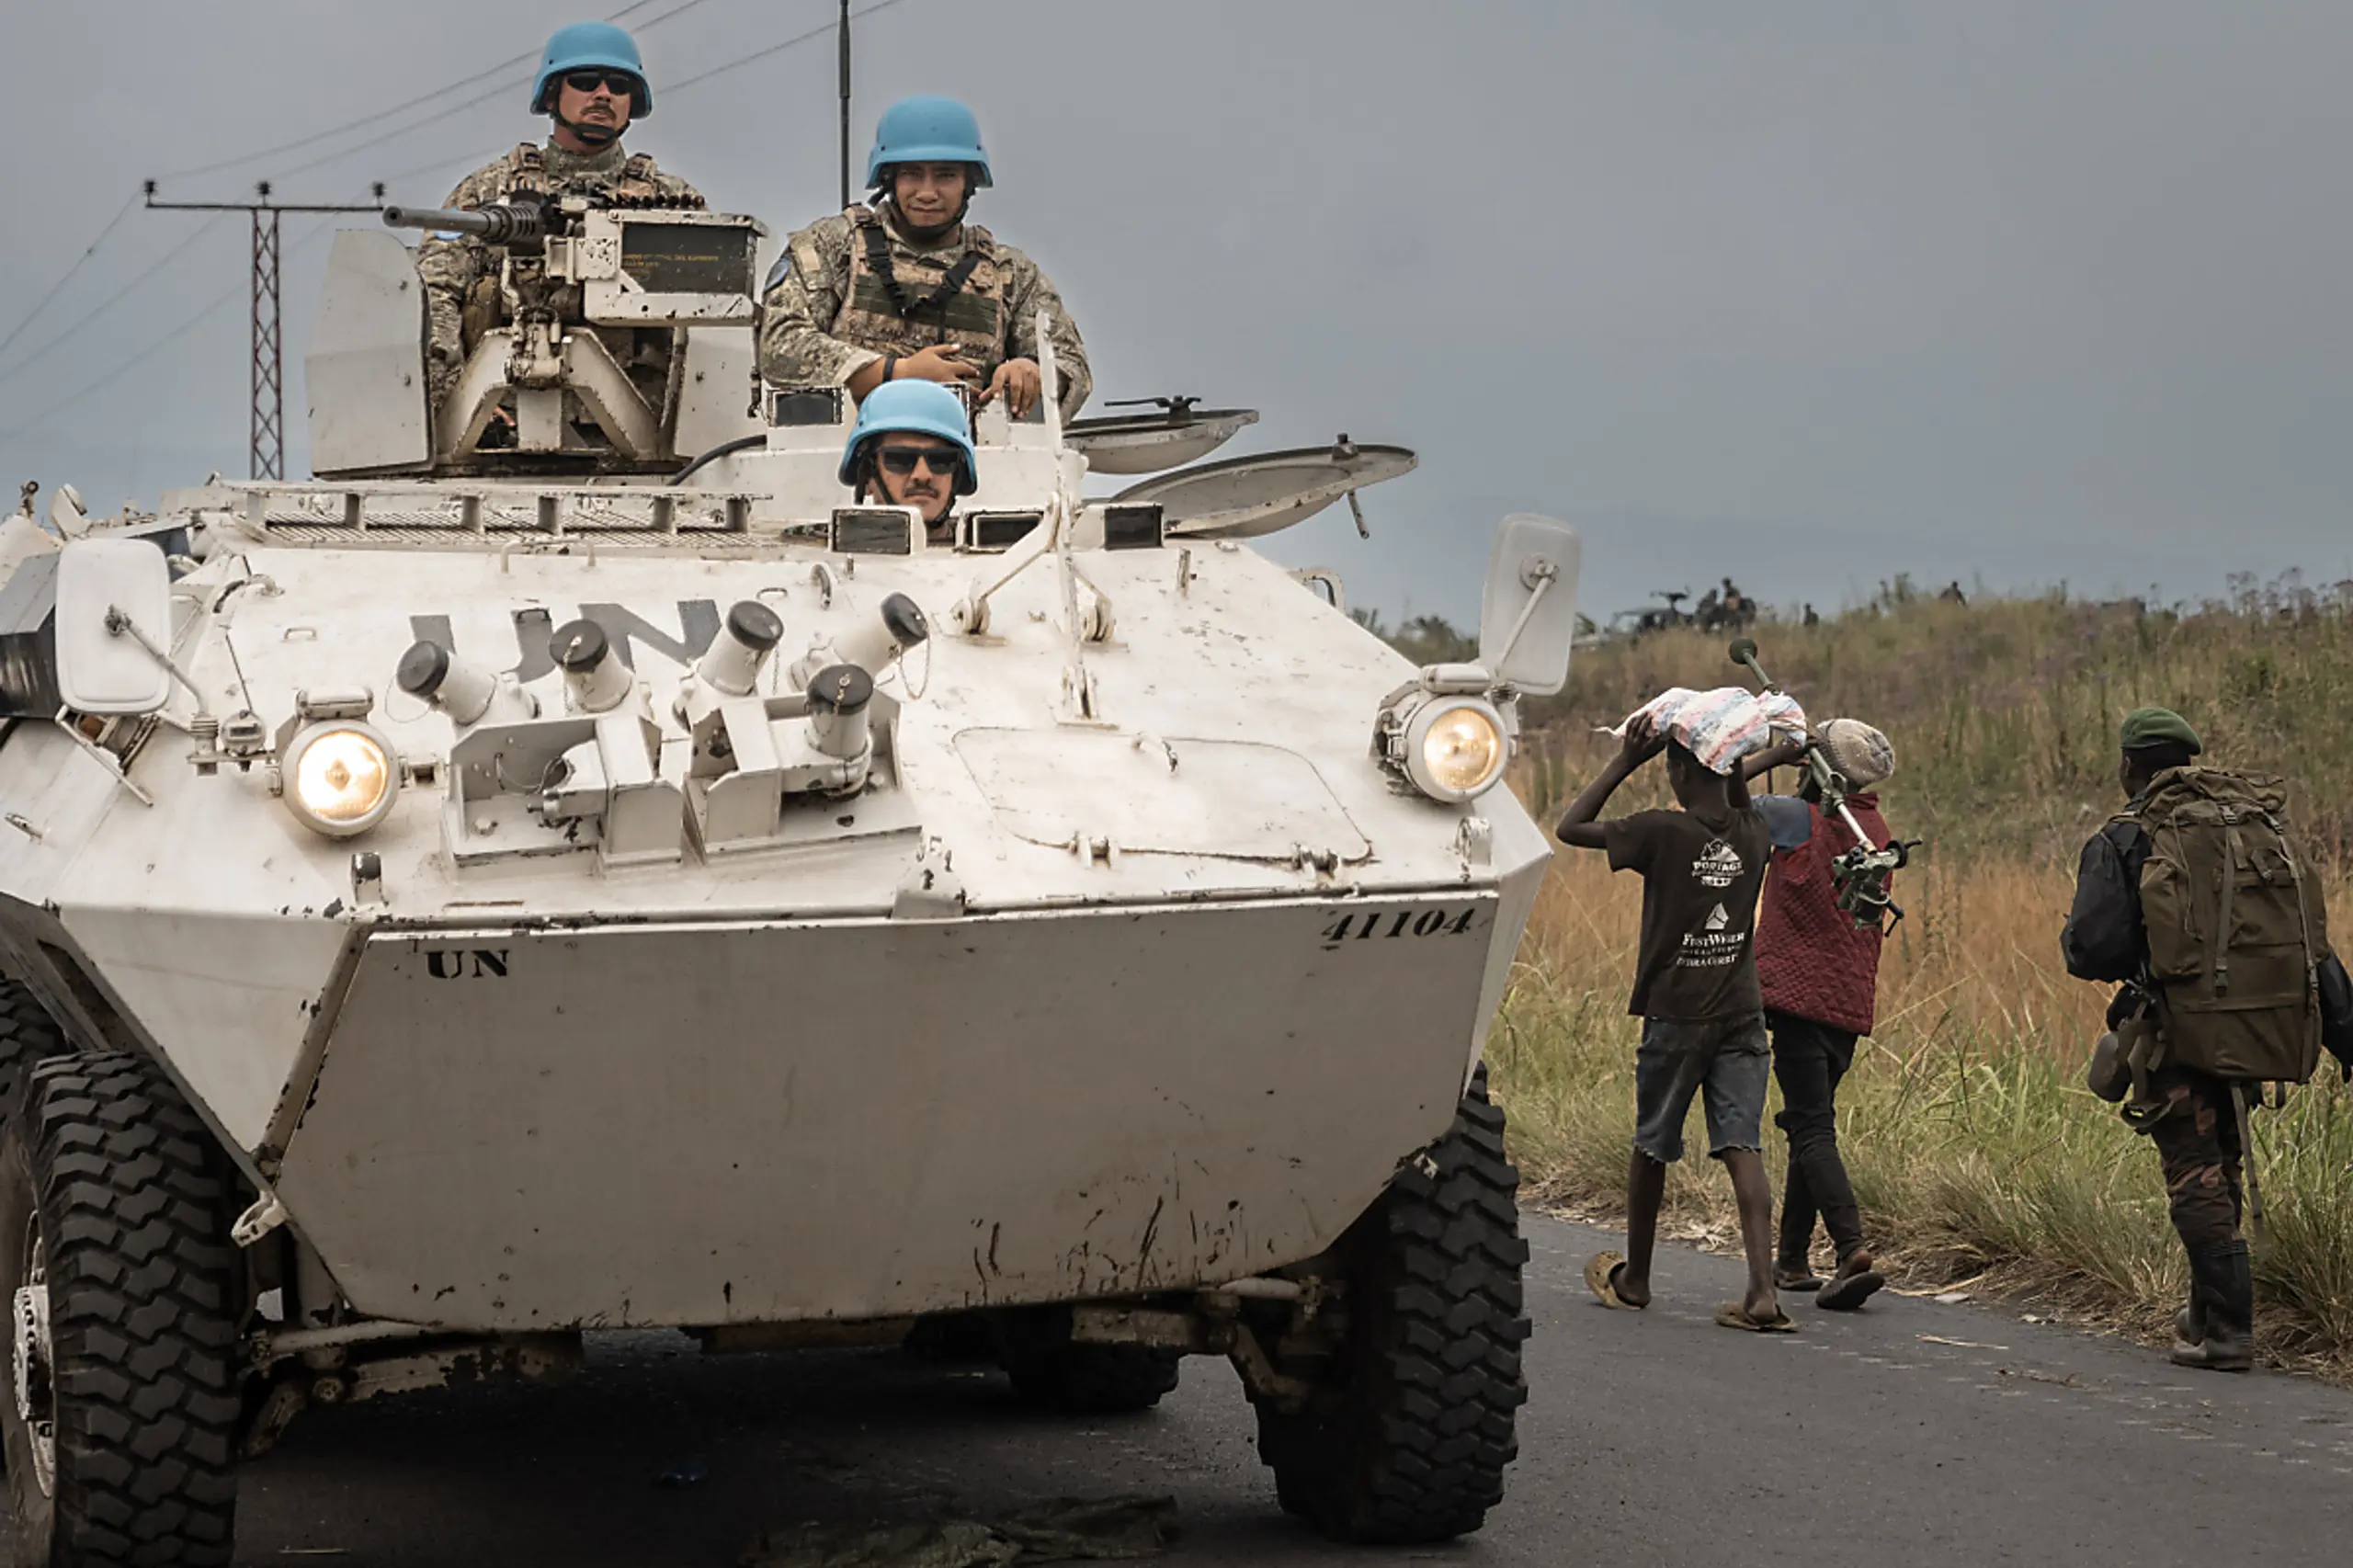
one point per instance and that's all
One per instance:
(491, 894)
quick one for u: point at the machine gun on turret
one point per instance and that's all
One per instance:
(505, 223)
(556, 375)
(1860, 874)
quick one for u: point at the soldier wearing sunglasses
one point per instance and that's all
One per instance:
(592, 85)
(912, 448)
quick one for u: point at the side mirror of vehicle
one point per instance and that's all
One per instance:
(1528, 617)
(114, 621)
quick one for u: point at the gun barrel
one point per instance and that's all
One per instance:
(499, 225)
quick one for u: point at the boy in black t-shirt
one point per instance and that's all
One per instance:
(1696, 991)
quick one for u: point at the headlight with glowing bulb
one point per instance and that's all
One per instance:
(340, 777)
(1452, 748)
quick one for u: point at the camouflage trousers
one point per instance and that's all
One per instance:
(2198, 1145)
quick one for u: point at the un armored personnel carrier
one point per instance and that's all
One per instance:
(490, 892)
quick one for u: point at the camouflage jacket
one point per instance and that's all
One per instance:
(827, 310)
(461, 275)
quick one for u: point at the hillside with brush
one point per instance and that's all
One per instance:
(1977, 1153)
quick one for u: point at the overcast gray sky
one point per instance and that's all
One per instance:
(1810, 292)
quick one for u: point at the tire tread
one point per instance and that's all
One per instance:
(135, 1208)
(1412, 1446)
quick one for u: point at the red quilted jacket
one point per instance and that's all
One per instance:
(1812, 958)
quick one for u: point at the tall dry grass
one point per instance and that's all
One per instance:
(1975, 1148)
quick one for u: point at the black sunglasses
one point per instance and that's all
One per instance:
(902, 461)
(621, 84)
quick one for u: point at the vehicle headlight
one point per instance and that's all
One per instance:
(340, 777)
(1454, 748)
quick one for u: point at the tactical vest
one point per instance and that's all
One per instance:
(634, 183)
(899, 304)
(2236, 927)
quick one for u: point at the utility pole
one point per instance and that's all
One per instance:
(268, 455)
(845, 38)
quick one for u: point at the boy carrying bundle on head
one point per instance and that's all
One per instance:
(1695, 974)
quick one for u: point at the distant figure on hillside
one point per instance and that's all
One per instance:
(1819, 972)
(1726, 608)
(2199, 1018)
(1812, 619)
(1953, 593)
(1695, 990)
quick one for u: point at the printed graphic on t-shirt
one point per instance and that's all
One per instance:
(1718, 865)
(1712, 949)
(1714, 945)
(1700, 884)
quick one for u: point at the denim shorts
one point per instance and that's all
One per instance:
(1726, 1060)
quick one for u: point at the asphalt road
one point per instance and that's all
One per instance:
(1911, 1434)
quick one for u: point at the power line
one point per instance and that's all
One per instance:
(501, 70)
(119, 371)
(268, 449)
(159, 345)
(797, 40)
(79, 262)
(103, 306)
(468, 159)
(668, 89)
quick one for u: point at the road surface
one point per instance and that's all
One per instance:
(1911, 1434)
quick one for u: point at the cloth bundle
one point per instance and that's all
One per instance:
(1722, 725)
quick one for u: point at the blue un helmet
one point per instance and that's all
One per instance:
(589, 46)
(915, 408)
(927, 130)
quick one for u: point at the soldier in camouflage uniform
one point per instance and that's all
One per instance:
(907, 289)
(592, 83)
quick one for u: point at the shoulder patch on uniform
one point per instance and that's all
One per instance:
(778, 272)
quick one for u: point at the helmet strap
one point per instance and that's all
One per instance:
(923, 233)
(594, 136)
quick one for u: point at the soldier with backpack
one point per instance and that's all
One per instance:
(2197, 902)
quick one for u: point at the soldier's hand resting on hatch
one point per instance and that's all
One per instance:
(1021, 383)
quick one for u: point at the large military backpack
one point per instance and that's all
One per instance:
(2236, 927)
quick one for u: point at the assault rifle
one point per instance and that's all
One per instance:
(1859, 874)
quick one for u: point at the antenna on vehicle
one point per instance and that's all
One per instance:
(845, 42)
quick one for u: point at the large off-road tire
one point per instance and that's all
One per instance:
(27, 1034)
(1410, 1424)
(1049, 1371)
(119, 1416)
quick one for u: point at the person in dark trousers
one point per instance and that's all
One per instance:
(1819, 973)
(2189, 1114)
(1695, 990)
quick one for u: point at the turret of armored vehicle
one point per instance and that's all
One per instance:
(491, 894)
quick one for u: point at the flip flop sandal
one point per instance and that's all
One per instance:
(1734, 1314)
(1601, 1279)
(1846, 1292)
